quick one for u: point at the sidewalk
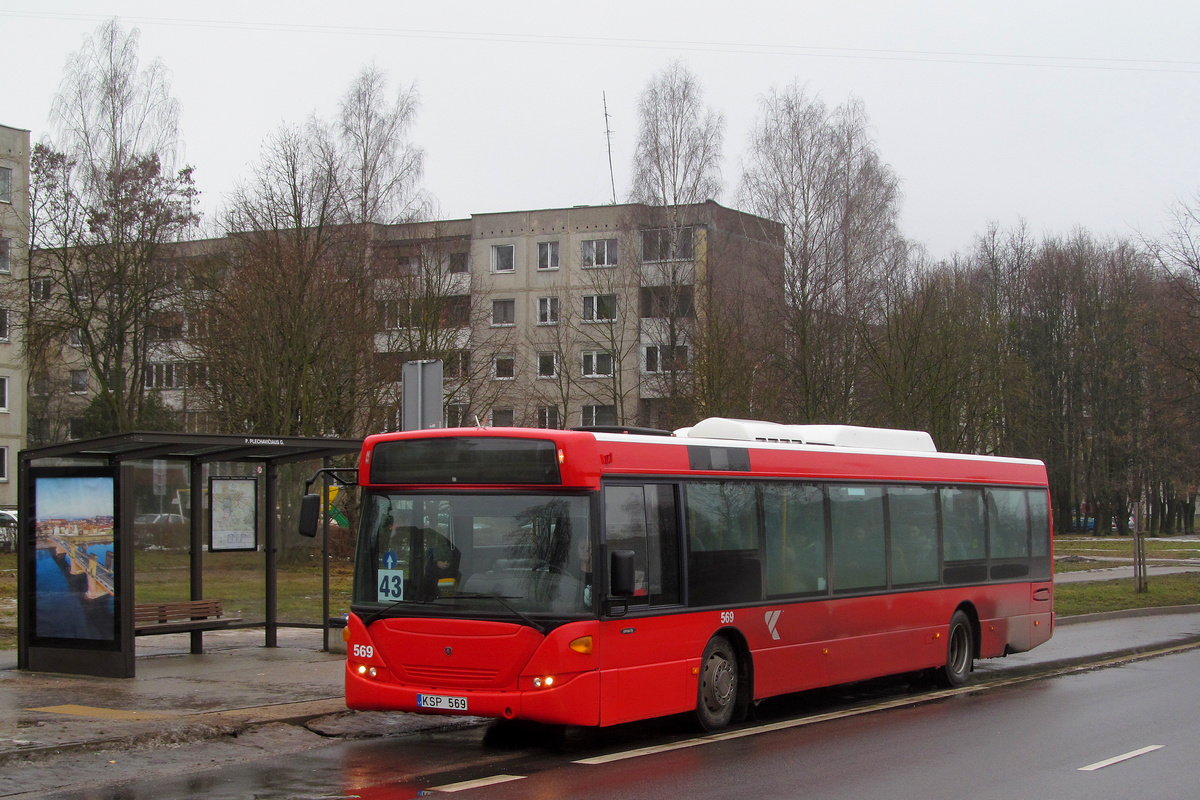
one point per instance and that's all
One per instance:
(235, 684)
(238, 685)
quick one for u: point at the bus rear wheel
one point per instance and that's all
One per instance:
(717, 695)
(960, 652)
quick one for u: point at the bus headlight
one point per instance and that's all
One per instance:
(543, 682)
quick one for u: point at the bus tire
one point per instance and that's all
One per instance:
(717, 694)
(960, 652)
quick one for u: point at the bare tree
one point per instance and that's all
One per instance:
(281, 331)
(818, 173)
(677, 160)
(383, 168)
(107, 209)
(430, 309)
(677, 168)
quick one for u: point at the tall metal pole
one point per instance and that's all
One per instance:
(272, 554)
(608, 138)
(196, 525)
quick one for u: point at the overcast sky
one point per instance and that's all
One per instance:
(1065, 114)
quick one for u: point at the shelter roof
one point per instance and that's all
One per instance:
(203, 447)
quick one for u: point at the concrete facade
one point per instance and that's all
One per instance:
(547, 318)
(14, 258)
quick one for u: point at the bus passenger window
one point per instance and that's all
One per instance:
(1008, 523)
(643, 519)
(912, 519)
(856, 519)
(723, 557)
(962, 524)
(1039, 526)
(794, 516)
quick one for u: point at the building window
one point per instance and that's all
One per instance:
(3, 394)
(167, 375)
(79, 287)
(504, 312)
(547, 416)
(599, 415)
(504, 368)
(599, 308)
(5, 255)
(503, 258)
(79, 381)
(457, 364)
(547, 365)
(4, 464)
(502, 417)
(458, 263)
(457, 311)
(75, 338)
(662, 358)
(547, 311)
(597, 363)
(668, 244)
(457, 415)
(5, 184)
(4, 333)
(547, 255)
(39, 290)
(600, 252)
(668, 302)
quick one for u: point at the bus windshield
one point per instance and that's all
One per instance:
(475, 554)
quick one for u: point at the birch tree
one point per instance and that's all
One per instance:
(109, 203)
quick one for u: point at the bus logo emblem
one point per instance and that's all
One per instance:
(772, 617)
(450, 650)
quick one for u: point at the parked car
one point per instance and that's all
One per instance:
(165, 531)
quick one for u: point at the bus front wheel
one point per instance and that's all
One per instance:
(717, 695)
(960, 652)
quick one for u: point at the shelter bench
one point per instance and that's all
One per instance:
(179, 616)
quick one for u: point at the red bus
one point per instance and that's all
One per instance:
(595, 577)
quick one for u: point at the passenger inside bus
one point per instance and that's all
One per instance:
(585, 568)
(441, 566)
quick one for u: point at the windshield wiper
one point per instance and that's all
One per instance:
(498, 598)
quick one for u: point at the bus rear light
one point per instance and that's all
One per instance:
(582, 645)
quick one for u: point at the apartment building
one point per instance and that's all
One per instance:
(14, 248)
(591, 315)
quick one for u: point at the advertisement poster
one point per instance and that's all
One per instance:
(75, 558)
(234, 514)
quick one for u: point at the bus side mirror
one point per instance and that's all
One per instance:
(620, 573)
(310, 514)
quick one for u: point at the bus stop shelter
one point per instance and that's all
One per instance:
(76, 609)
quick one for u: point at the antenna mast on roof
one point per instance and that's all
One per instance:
(608, 137)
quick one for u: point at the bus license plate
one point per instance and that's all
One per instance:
(442, 701)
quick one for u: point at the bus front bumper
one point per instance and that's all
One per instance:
(570, 700)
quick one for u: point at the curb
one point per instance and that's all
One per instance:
(1127, 613)
(191, 728)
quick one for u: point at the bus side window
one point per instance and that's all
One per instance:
(1039, 525)
(856, 520)
(912, 519)
(643, 519)
(724, 565)
(962, 524)
(794, 519)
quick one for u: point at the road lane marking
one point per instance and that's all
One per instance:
(475, 784)
(1108, 762)
(900, 702)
